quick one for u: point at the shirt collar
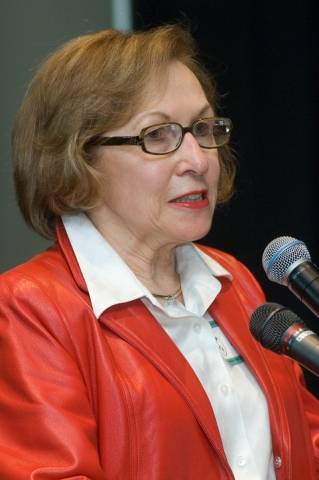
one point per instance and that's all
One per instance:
(110, 281)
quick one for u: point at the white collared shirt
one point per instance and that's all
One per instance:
(238, 402)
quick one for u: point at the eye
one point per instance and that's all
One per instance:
(160, 133)
(156, 133)
(201, 128)
(162, 138)
(220, 130)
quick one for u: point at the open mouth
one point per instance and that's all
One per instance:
(191, 198)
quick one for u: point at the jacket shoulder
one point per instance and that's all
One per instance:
(45, 280)
(42, 268)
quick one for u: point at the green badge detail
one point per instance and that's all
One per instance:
(227, 351)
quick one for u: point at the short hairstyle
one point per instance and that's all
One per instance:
(90, 85)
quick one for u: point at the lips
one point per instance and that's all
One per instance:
(198, 199)
(191, 197)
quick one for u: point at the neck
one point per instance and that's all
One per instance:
(153, 262)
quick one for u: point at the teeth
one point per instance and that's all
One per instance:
(196, 197)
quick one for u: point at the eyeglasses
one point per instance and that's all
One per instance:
(163, 138)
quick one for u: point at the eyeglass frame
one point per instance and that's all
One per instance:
(138, 140)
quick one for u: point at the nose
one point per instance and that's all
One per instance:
(192, 158)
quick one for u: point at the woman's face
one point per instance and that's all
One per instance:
(166, 199)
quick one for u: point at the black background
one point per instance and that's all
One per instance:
(264, 56)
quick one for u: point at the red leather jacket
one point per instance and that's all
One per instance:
(114, 398)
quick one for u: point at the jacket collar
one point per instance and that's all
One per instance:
(134, 323)
(67, 250)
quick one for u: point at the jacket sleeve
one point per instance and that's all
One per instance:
(311, 404)
(48, 428)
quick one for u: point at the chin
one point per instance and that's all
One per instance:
(193, 234)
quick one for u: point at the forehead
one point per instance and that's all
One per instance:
(177, 79)
(177, 90)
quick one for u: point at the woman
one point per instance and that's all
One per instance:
(126, 352)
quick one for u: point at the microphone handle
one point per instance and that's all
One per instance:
(302, 345)
(303, 281)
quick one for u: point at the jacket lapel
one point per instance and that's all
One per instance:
(229, 309)
(134, 323)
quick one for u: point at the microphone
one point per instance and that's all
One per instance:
(287, 261)
(280, 330)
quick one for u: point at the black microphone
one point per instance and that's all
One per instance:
(280, 330)
(287, 261)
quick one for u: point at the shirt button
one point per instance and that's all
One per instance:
(197, 327)
(278, 462)
(224, 390)
(240, 461)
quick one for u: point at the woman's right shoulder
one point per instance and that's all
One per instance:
(39, 268)
(46, 275)
(42, 290)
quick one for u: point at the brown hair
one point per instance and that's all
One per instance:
(88, 86)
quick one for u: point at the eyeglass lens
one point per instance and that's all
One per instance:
(165, 138)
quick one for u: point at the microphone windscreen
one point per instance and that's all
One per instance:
(269, 322)
(280, 254)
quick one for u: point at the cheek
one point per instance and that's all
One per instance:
(214, 172)
(129, 184)
(134, 190)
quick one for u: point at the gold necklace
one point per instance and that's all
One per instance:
(169, 297)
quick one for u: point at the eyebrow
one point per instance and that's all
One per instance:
(204, 109)
(168, 118)
(155, 114)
